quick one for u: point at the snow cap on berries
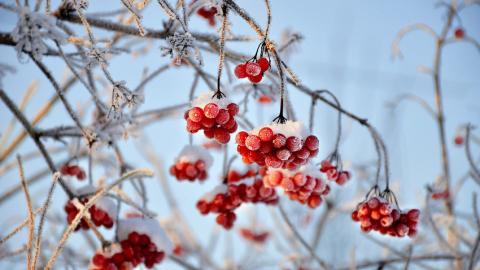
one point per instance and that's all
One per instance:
(209, 196)
(206, 98)
(193, 153)
(148, 226)
(288, 129)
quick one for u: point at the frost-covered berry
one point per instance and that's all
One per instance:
(240, 71)
(192, 164)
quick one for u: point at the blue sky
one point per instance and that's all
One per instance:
(346, 49)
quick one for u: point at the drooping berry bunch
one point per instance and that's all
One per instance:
(277, 145)
(216, 117)
(255, 67)
(74, 171)
(221, 201)
(252, 69)
(225, 198)
(257, 237)
(141, 241)
(378, 214)
(208, 13)
(334, 173)
(192, 163)
(103, 213)
(304, 185)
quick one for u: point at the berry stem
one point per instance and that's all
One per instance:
(218, 94)
(280, 118)
(339, 118)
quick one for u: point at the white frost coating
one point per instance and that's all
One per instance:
(87, 189)
(148, 226)
(205, 98)
(108, 206)
(105, 204)
(31, 31)
(310, 169)
(290, 128)
(209, 196)
(193, 153)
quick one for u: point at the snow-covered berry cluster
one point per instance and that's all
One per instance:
(254, 236)
(304, 185)
(378, 214)
(253, 69)
(225, 198)
(208, 13)
(141, 241)
(215, 116)
(333, 173)
(277, 145)
(192, 163)
(73, 171)
(102, 213)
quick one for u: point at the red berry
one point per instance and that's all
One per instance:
(263, 63)
(193, 127)
(279, 140)
(208, 122)
(222, 117)
(273, 161)
(265, 134)
(211, 110)
(252, 142)
(294, 143)
(232, 109)
(458, 140)
(253, 69)
(195, 114)
(255, 79)
(459, 33)
(283, 154)
(413, 214)
(311, 142)
(240, 71)
(241, 137)
(221, 135)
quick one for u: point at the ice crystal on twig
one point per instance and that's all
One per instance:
(181, 46)
(31, 31)
(121, 96)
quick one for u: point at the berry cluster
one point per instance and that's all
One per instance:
(208, 14)
(333, 173)
(192, 163)
(277, 145)
(221, 201)
(379, 215)
(254, 236)
(304, 185)
(74, 171)
(99, 216)
(253, 69)
(224, 199)
(136, 249)
(214, 116)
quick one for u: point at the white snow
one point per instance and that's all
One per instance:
(290, 128)
(205, 98)
(148, 226)
(31, 31)
(209, 196)
(193, 153)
